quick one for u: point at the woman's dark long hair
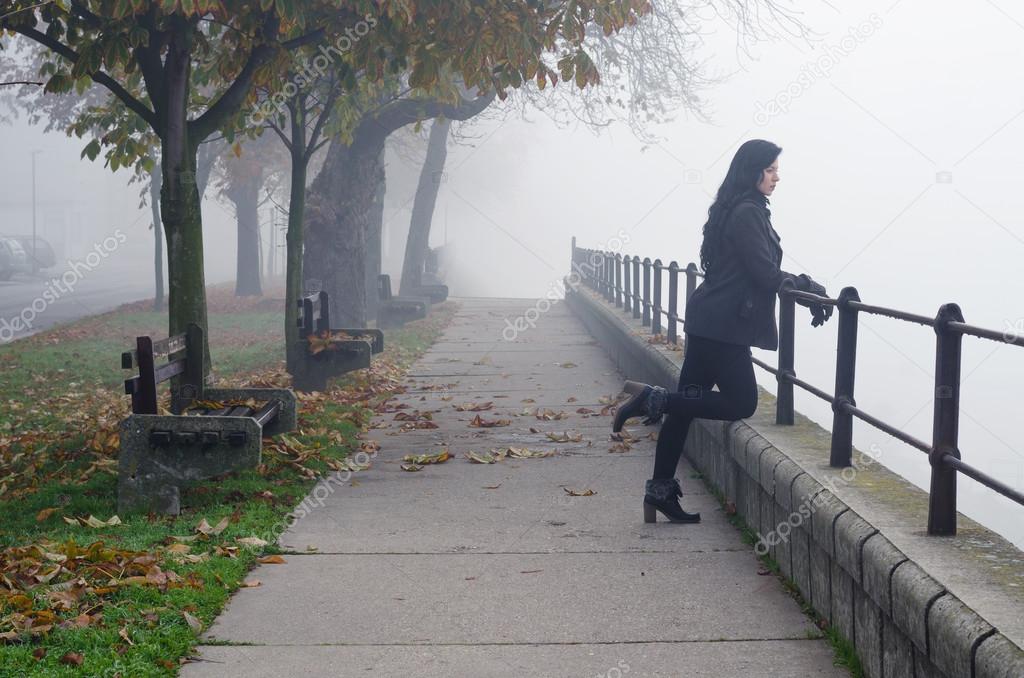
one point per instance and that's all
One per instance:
(744, 174)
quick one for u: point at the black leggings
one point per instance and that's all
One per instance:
(706, 362)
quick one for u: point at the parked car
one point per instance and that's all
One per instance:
(44, 255)
(13, 258)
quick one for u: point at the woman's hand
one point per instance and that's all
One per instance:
(820, 313)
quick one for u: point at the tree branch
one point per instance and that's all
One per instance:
(99, 76)
(398, 114)
(235, 94)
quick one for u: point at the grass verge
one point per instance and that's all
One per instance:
(81, 594)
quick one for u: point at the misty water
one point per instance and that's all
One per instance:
(900, 175)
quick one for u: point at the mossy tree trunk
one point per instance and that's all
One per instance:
(155, 178)
(340, 203)
(423, 205)
(245, 195)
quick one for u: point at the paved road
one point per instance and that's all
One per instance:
(464, 569)
(44, 305)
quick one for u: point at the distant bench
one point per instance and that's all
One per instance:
(396, 311)
(210, 431)
(350, 350)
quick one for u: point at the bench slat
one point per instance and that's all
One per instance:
(168, 370)
(168, 346)
(267, 413)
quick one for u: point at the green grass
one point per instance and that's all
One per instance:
(48, 463)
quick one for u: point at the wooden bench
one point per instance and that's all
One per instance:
(435, 293)
(347, 350)
(396, 311)
(210, 431)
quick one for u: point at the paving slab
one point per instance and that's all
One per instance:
(464, 569)
(511, 598)
(783, 658)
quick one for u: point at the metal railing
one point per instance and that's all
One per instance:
(609, 274)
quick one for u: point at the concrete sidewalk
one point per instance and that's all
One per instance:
(466, 569)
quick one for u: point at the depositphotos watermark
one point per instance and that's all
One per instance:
(580, 272)
(311, 71)
(614, 672)
(60, 286)
(810, 505)
(324, 488)
(1014, 329)
(818, 69)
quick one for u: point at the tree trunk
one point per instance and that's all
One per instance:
(205, 160)
(293, 260)
(180, 203)
(155, 179)
(245, 195)
(341, 200)
(338, 213)
(423, 207)
(374, 243)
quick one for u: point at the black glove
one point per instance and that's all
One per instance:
(820, 314)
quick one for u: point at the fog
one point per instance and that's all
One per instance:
(899, 175)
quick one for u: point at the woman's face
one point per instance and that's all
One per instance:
(769, 177)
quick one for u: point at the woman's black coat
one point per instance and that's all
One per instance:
(735, 303)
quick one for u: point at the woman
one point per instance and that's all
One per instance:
(732, 310)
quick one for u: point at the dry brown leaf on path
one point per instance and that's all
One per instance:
(481, 458)
(524, 453)
(492, 487)
(474, 407)
(422, 459)
(579, 493)
(479, 422)
(412, 468)
(271, 560)
(564, 437)
(413, 425)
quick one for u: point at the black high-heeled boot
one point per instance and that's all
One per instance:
(647, 401)
(660, 495)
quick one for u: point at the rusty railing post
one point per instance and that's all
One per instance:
(841, 454)
(647, 292)
(627, 299)
(945, 424)
(691, 279)
(618, 279)
(656, 311)
(609, 275)
(787, 321)
(673, 302)
(636, 287)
